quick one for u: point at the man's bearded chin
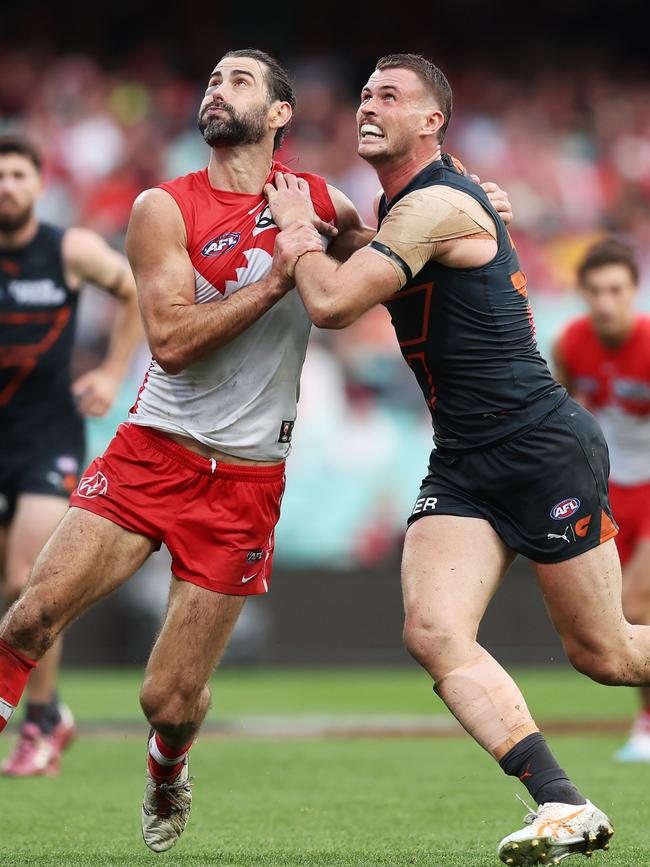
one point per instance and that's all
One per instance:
(15, 222)
(234, 130)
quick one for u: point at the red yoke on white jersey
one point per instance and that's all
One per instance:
(614, 384)
(241, 399)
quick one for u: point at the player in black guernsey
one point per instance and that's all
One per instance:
(519, 467)
(42, 268)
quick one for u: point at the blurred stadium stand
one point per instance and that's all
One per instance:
(553, 104)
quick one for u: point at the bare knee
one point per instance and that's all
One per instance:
(607, 665)
(29, 626)
(430, 643)
(175, 709)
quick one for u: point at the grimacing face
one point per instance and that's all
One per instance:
(392, 115)
(610, 294)
(20, 187)
(235, 108)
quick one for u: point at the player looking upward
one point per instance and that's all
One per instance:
(42, 269)
(519, 467)
(603, 359)
(200, 464)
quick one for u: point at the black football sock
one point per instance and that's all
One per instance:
(533, 763)
(45, 716)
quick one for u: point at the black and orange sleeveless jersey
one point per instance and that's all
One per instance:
(37, 324)
(469, 337)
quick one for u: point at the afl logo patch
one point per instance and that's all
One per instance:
(93, 486)
(221, 244)
(565, 509)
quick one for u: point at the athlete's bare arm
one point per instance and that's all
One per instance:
(89, 259)
(179, 331)
(439, 224)
(353, 234)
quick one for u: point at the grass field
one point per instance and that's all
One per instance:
(306, 802)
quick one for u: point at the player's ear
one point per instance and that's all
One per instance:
(280, 114)
(433, 121)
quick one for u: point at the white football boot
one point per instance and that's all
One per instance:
(637, 748)
(166, 809)
(555, 832)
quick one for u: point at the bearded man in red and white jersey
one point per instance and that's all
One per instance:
(603, 359)
(200, 463)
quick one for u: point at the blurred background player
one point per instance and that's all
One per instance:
(603, 358)
(42, 268)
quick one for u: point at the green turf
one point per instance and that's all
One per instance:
(314, 803)
(376, 803)
(551, 693)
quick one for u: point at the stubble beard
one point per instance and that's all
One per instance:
(11, 224)
(246, 128)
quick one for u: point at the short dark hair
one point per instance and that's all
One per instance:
(431, 76)
(16, 143)
(608, 252)
(277, 81)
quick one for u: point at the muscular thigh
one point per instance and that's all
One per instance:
(450, 570)
(85, 559)
(583, 596)
(196, 629)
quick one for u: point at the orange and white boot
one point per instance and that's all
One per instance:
(554, 832)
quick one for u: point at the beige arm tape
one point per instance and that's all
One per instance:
(423, 218)
(487, 703)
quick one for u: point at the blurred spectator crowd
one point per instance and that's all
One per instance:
(571, 148)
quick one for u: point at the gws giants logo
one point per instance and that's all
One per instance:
(93, 486)
(565, 509)
(221, 244)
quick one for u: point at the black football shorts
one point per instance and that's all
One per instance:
(45, 460)
(544, 492)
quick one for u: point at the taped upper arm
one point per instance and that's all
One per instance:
(411, 232)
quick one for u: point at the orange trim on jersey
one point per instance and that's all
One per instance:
(608, 528)
(457, 163)
(25, 357)
(27, 351)
(22, 372)
(10, 267)
(428, 289)
(421, 357)
(519, 282)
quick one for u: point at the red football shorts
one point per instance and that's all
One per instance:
(216, 519)
(631, 508)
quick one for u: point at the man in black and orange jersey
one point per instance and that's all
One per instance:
(519, 467)
(42, 268)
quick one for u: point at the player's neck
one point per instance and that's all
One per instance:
(243, 169)
(394, 176)
(14, 240)
(613, 340)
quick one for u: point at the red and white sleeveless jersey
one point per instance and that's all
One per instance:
(614, 384)
(240, 399)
